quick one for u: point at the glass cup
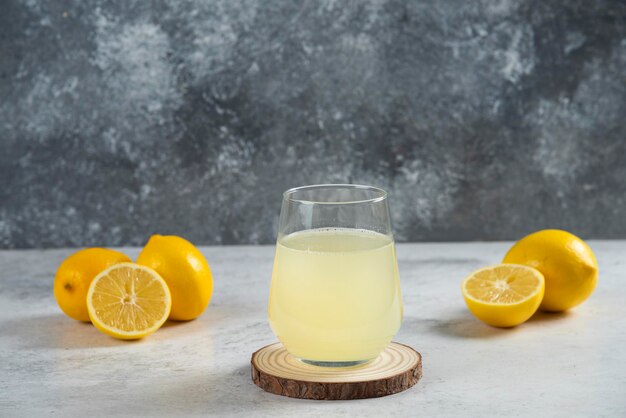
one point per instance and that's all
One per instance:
(335, 296)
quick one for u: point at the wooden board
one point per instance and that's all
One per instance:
(396, 369)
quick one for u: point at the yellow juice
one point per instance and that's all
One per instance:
(335, 294)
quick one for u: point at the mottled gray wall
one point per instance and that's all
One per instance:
(483, 119)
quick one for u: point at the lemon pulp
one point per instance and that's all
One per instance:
(128, 301)
(504, 295)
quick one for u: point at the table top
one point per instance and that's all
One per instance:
(554, 365)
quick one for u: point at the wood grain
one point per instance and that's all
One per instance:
(396, 369)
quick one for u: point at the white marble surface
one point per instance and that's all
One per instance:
(554, 365)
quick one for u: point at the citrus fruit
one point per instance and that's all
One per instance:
(74, 275)
(185, 271)
(504, 295)
(128, 301)
(567, 263)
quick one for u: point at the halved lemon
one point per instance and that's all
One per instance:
(504, 295)
(128, 301)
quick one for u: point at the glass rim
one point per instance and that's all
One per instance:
(382, 194)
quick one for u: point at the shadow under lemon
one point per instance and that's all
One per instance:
(462, 324)
(54, 331)
(544, 316)
(58, 331)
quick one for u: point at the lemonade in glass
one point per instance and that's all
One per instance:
(335, 296)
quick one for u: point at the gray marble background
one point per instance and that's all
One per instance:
(483, 119)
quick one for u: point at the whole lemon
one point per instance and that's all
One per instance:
(75, 274)
(184, 269)
(567, 263)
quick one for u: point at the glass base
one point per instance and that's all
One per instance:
(334, 363)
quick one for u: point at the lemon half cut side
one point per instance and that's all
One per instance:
(128, 301)
(504, 295)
